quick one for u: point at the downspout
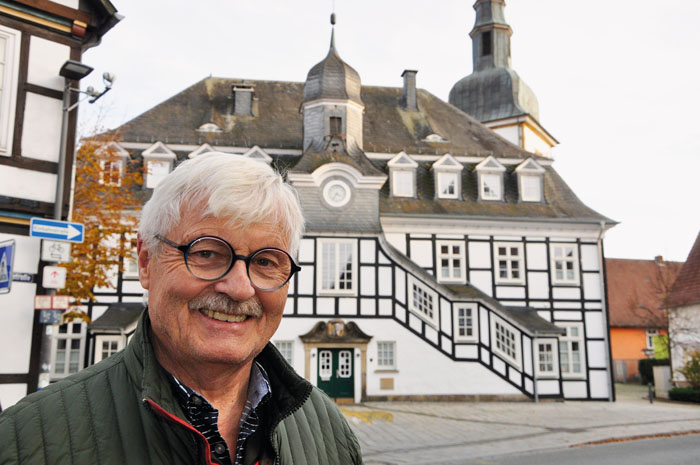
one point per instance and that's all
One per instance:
(534, 369)
(604, 292)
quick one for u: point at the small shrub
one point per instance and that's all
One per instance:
(691, 370)
(685, 394)
(646, 368)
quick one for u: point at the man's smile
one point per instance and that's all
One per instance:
(220, 316)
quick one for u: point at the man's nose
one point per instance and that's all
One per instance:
(236, 283)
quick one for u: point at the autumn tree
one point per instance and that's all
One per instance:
(104, 201)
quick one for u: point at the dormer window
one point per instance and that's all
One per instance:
(448, 178)
(204, 148)
(256, 153)
(113, 163)
(402, 171)
(158, 161)
(490, 174)
(530, 181)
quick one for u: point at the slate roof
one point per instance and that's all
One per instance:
(686, 288)
(118, 316)
(636, 291)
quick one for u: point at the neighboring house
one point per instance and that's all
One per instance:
(36, 38)
(440, 260)
(684, 308)
(637, 291)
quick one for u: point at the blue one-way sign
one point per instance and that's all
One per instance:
(56, 230)
(7, 255)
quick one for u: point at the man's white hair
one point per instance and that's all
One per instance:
(240, 190)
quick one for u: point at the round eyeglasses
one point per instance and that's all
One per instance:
(210, 258)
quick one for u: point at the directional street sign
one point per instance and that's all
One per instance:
(7, 256)
(56, 230)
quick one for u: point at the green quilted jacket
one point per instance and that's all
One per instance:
(122, 411)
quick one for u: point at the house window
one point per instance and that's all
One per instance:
(131, 265)
(325, 365)
(336, 126)
(564, 263)
(491, 186)
(531, 188)
(651, 334)
(451, 262)
(447, 186)
(402, 183)
(9, 61)
(338, 267)
(465, 318)
(111, 174)
(386, 355)
(68, 345)
(546, 357)
(286, 348)
(571, 357)
(506, 341)
(423, 301)
(157, 170)
(106, 346)
(486, 43)
(509, 262)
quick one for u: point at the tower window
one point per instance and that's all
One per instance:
(336, 127)
(486, 43)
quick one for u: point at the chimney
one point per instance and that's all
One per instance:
(409, 99)
(242, 100)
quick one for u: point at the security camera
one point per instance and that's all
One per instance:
(92, 92)
(108, 79)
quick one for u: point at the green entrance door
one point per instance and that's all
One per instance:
(335, 368)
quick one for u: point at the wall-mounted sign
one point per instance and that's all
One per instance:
(7, 257)
(54, 277)
(55, 251)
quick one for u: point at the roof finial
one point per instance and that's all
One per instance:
(333, 19)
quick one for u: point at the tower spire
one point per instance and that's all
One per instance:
(490, 36)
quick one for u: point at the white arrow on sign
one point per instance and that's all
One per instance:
(70, 232)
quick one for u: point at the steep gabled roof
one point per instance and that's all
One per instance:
(686, 288)
(637, 289)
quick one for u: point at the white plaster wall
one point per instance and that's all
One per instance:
(596, 354)
(482, 281)
(422, 253)
(385, 286)
(510, 133)
(306, 250)
(510, 292)
(45, 60)
(306, 280)
(10, 394)
(589, 257)
(27, 184)
(567, 316)
(591, 286)
(367, 251)
(367, 280)
(595, 324)
(547, 387)
(566, 293)
(574, 389)
(41, 132)
(538, 285)
(479, 255)
(16, 319)
(536, 256)
(535, 144)
(599, 384)
(397, 240)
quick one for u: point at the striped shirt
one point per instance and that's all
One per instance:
(204, 417)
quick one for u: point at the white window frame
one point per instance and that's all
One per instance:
(325, 372)
(68, 336)
(103, 172)
(286, 348)
(531, 188)
(443, 181)
(131, 264)
(403, 187)
(566, 342)
(153, 180)
(458, 323)
(417, 302)
(574, 260)
(100, 340)
(483, 184)
(554, 361)
(450, 257)
(508, 258)
(8, 95)
(386, 359)
(500, 327)
(321, 267)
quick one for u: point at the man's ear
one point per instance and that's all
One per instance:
(144, 259)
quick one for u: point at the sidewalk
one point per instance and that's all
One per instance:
(393, 433)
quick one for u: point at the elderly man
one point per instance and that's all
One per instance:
(199, 382)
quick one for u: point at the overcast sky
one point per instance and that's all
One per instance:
(618, 81)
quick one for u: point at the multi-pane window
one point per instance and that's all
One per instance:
(531, 188)
(111, 174)
(386, 355)
(465, 322)
(546, 358)
(505, 341)
(338, 267)
(491, 186)
(402, 183)
(345, 364)
(450, 259)
(68, 346)
(157, 171)
(447, 185)
(286, 348)
(571, 357)
(509, 262)
(422, 301)
(106, 346)
(564, 259)
(325, 364)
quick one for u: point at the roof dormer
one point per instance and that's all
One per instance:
(530, 181)
(402, 172)
(490, 175)
(448, 177)
(158, 161)
(113, 159)
(256, 153)
(204, 148)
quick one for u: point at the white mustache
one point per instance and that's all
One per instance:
(224, 304)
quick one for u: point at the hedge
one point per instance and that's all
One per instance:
(646, 368)
(685, 394)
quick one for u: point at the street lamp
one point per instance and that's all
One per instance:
(73, 71)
